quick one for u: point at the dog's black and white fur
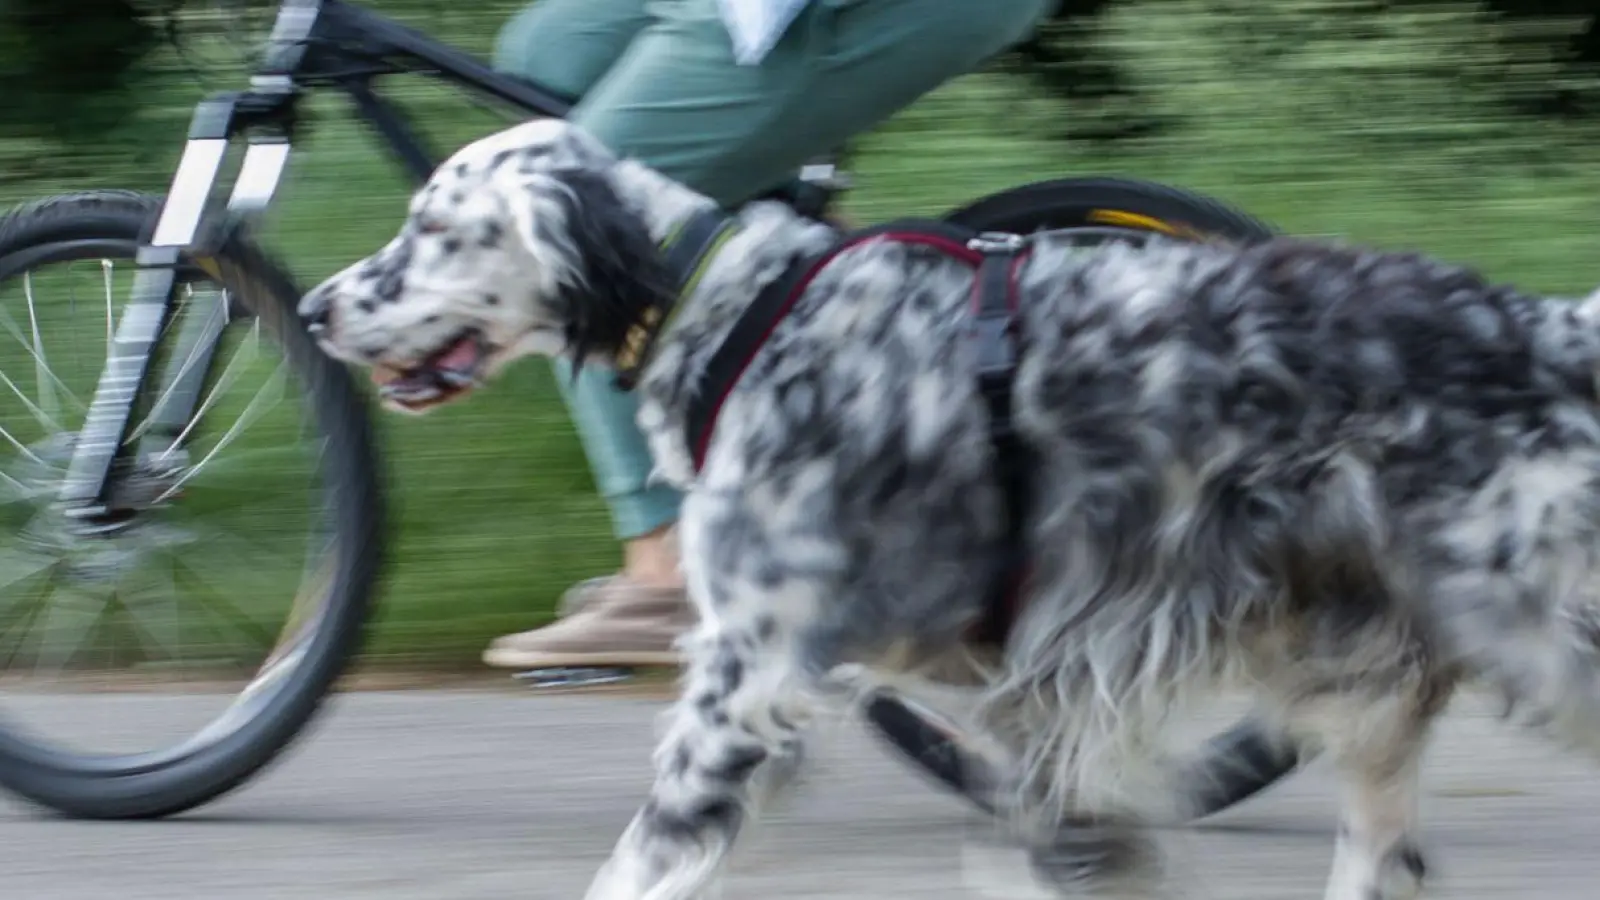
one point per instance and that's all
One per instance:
(1347, 481)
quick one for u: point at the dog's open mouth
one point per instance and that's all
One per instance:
(438, 379)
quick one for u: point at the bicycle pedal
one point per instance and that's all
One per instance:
(566, 677)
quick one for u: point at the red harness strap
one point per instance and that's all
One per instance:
(763, 316)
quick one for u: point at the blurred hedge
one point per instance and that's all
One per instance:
(70, 68)
(73, 67)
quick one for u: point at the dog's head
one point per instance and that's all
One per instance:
(518, 244)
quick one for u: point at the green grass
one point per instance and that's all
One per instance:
(493, 503)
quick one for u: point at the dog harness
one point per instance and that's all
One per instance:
(993, 330)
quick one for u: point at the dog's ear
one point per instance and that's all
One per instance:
(613, 277)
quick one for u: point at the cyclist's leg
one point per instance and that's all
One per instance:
(566, 46)
(676, 100)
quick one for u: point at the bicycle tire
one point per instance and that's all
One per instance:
(136, 787)
(1234, 765)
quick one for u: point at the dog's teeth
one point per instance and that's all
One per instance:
(410, 393)
(456, 379)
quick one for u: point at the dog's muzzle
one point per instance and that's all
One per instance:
(314, 311)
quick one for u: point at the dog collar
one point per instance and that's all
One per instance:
(688, 251)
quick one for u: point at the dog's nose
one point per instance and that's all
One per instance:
(315, 311)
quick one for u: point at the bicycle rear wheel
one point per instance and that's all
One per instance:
(1246, 759)
(180, 601)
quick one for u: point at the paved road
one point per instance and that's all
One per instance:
(467, 795)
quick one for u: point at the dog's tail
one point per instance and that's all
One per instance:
(1567, 339)
(1518, 605)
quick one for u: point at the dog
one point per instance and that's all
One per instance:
(1348, 481)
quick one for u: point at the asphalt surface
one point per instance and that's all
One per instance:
(447, 795)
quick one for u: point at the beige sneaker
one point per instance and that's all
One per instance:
(579, 595)
(609, 622)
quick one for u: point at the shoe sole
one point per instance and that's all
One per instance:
(519, 659)
(573, 679)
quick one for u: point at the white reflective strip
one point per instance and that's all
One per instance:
(191, 186)
(258, 175)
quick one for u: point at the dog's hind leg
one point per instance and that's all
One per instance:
(1376, 744)
(1376, 857)
(1071, 793)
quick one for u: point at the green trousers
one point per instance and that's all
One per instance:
(657, 82)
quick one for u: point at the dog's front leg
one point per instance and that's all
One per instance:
(741, 710)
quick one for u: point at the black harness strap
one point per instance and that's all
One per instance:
(997, 336)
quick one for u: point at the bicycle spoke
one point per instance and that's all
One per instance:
(196, 353)
(41, 599)
(231, 610)
(49, 424)
(79, 613)
(15, 571)
(229, 375)
(246, 418)
(212, 601)
(16, 508)
(14, 485)
(106, 268)
(133, 624)
(238, 561)
(20, 447)
(245, 479)
(163, 605)
(185, 299)
(41, 367)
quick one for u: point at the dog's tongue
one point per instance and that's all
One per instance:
(460, 358)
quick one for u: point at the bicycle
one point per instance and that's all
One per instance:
(119, 471)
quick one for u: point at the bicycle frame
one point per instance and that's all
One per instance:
(314, 44)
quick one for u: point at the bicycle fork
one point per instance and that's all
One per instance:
(106, 443)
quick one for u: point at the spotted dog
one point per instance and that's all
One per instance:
(1345, 481)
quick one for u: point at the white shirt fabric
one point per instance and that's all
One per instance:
(757, 25)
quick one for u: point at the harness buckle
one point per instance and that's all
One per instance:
(993, 325)
(998, 242)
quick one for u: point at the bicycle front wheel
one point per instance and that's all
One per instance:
(221, 605)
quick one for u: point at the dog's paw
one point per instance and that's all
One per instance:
(1396, 875)
(1081, 857)
(1400, 875)
(994, 870)
(783, 774)
(1097, 860)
